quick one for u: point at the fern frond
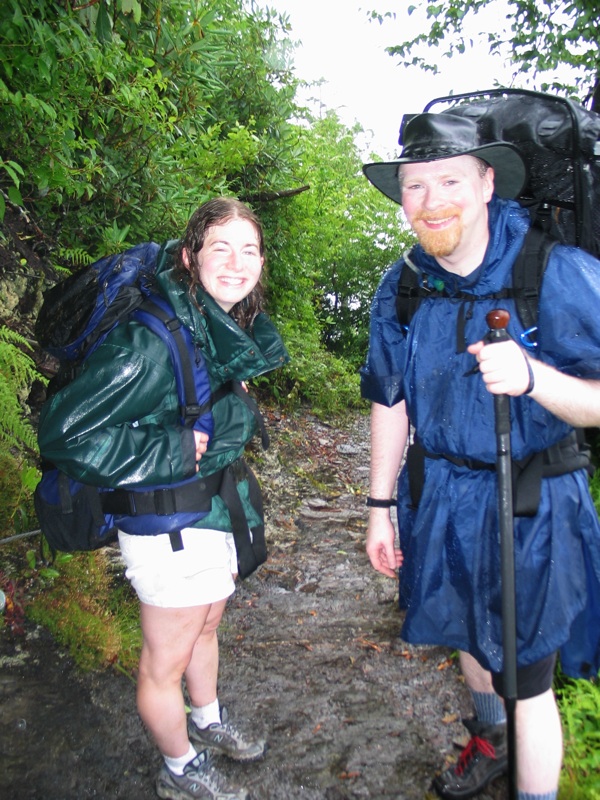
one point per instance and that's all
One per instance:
(16, 366)
(17, 372)
(8, 335)
(76, 255)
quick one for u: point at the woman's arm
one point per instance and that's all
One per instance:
(117, 423)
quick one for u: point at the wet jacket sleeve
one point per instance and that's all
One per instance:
(381, 376)
(569, 333)
(117, 423)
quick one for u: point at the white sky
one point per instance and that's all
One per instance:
(365, 84)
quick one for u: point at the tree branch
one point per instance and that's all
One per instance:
(267, 197)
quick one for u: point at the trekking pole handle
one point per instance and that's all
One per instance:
(497, 321)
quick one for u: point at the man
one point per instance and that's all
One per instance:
(438, 379)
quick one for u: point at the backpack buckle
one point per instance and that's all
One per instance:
(164, 502)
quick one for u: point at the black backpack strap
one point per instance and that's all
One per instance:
(415, 464)
(568, 455)
(236, 388)
(409, 295)
(91, 494)
(250, 545)
(528, 273)
(195, 495)
(243, 395)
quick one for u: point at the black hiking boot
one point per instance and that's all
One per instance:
(484, 758)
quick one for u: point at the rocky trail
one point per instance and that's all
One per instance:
(310, 655)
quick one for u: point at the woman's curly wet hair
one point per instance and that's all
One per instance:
(218, 211)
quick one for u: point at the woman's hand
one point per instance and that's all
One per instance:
(201, 440)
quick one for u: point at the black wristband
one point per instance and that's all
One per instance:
(372, 502)
(531, 384)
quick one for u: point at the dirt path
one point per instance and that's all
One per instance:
(309, 652)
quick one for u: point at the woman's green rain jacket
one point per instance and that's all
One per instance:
(117, 423)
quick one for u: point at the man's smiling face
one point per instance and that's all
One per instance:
(445, 202)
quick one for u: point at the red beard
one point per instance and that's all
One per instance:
(439, 243)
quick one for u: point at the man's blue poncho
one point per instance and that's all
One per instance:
(450, 579)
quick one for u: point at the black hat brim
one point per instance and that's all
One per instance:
(510, 173)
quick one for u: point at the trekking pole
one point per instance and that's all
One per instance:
(497, 321)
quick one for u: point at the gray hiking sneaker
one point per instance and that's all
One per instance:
(200, 781)
(225, 738)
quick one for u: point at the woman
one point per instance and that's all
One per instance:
(121, 416)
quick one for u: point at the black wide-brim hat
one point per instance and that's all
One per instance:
(433, 137)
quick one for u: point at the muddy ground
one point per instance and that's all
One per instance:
(310, 655)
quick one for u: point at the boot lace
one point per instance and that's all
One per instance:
(233, 731)
(213, 780)
(476, 746)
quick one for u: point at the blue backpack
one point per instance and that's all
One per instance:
(76, 316)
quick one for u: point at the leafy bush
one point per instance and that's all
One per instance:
(579, 703)
(108, 118)
(329, 384)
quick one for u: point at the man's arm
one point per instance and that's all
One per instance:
(504, 367)
(389, 433)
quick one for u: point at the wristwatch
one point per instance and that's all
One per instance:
(373, 502)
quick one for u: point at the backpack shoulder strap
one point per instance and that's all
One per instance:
(409, 294)
(528, 273)
(194, 398)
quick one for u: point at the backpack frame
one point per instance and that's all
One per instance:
(560, 143)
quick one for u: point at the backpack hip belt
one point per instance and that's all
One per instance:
(250, 543)
(194, 496)
(568, 455)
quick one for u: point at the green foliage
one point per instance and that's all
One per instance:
(595, 489)
(540, 36)
(17, 477)
(73, 255)
(328, 247)
(90, 613)
(345, 234)
(16, 509)
(579, 703)
(122, 117)
(17, 372)
(329, 384)
(14, 172)
(118, 121)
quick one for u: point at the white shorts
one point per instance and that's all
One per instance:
(200, 574)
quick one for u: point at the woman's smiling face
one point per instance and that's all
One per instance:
(230, 262)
